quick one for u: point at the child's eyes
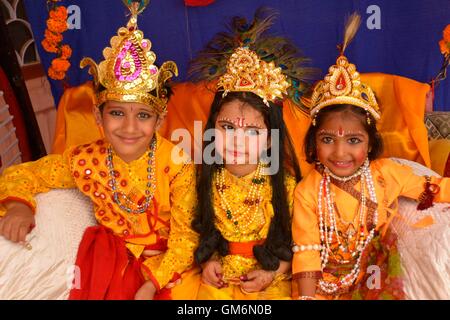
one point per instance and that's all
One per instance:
(144, 115)
(327, 140)
(252, 132)
(227, 127)
(116, 113)
(354, 140)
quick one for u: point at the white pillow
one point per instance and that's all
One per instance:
(425, 252)
(46, 271)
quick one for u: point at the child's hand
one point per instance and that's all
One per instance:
(146, 292)
(257, 280)
(18, 221)
(212, 274)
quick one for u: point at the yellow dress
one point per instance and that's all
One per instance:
(236, 265)
(165, 228)
(391, 180)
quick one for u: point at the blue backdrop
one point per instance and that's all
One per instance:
(406, 43)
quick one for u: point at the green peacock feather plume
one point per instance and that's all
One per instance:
(211, 62)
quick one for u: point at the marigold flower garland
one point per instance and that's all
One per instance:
(56, 25)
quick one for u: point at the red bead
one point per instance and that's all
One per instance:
(86, 188)
(106, 219)
(120, 222)
(102, 150)
(103, 174)
(123, 183)
(89, 150)
(99, 142)
(166, 169)
(95, 161)
(126, 233)
(81, 162)
(76, 174)
(101, 212)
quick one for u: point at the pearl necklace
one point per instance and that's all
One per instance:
(118, 194)
(244, 216)
(329, 231)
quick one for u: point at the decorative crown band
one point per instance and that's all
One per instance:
(342, 85)
(246, 72)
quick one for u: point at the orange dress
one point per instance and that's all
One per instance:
(391, 180)
(165, 228)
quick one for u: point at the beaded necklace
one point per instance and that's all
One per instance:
(329, 231)
(119, 195)
(243, 216)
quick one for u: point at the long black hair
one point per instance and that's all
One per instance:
(375, 140)
(277, 245)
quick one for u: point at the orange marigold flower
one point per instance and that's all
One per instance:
(66, 51)
(53, 37)
(56, 75)
(59, 13)
(49, 46)
(445, 47)
(56, 25)
(446, 33)
(60, 64)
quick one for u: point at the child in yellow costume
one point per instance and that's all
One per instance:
(244, 211)
(144, 199)
(343, 245)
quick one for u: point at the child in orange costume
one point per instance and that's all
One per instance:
(143, 198)
(343, 208)
(244, 212)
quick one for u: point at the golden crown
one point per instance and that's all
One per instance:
(128, 73)
(342, 84)
(246, 72)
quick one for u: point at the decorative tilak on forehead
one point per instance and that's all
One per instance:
(240, 122)
(340, 132)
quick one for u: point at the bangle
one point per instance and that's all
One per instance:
(306, 298)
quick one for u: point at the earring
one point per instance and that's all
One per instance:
(313, 122)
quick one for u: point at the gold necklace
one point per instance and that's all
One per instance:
(248, 213)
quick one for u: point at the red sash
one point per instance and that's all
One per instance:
(108, 271)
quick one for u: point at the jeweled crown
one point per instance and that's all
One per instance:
(246, 72)
(128, 73)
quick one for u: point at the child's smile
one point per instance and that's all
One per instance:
(342, 143)
(129, 127)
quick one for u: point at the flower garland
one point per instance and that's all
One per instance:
(56, 25)
(444, 44)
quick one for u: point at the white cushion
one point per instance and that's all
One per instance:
(46, 271)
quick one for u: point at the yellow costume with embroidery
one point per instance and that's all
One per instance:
(236, 265)
(165, 227)
(391, 180)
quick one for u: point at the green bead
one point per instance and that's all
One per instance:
(236, 223)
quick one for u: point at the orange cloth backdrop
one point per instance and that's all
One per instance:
(402, 102)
